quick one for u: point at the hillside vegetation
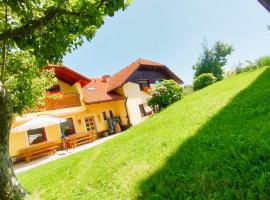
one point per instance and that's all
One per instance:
(213, 144)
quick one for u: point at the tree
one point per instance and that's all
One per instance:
(213, 60)
(34, 33)
(164, 94)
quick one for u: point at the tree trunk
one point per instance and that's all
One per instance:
(9, 186)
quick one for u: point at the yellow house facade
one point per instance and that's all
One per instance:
(76, 105)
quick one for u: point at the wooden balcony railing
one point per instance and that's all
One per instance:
(64, 101)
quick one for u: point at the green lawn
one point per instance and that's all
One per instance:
(213, 144)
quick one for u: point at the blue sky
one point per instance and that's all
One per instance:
(171, 32)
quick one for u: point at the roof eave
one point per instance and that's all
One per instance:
(103, 101)
(80, 78)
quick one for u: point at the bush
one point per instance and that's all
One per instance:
(250, 66)
(263, 61)
(164, 94)
(203, 80)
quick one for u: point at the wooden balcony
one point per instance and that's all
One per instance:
(63, 101)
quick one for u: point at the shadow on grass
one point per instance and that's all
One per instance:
(228, 158)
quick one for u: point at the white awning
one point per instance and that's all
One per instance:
(38, 122)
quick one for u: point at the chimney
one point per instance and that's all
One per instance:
(106, 78)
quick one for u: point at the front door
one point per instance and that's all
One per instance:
(90, 123)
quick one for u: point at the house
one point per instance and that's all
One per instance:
(92, 103)
(132, 81)
(84, 107)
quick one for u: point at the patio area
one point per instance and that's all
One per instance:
(24, 166)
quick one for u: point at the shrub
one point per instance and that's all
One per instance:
(164, 94)
(263, 61)
(245, 67)
(203, 80)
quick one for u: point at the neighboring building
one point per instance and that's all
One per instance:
(132, 81)
(87, 103)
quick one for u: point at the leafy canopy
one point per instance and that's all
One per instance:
(213, 60)
(34, 33)
(164, 94)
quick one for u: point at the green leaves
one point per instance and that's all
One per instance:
(52, 28)
(24, 81)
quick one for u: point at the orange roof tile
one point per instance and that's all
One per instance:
(121, 77)
(96, 92)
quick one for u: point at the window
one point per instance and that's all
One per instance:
(145, 110)
(111, 113)
(143, 83)
(67, 127)
(104, 115)
(90, 123)
(36, 136)
(54, 88)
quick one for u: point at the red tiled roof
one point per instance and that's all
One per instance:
(121, 77)
(96, 92)
(67, 75)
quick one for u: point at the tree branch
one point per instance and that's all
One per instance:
(50, 14)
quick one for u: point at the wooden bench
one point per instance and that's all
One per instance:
(77, 139)
(39, 150)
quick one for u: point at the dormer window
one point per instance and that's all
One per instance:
(143, 83)
(54, 89)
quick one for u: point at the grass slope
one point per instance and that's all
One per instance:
(213, 144)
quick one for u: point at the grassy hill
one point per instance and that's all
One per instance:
(213, 144)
